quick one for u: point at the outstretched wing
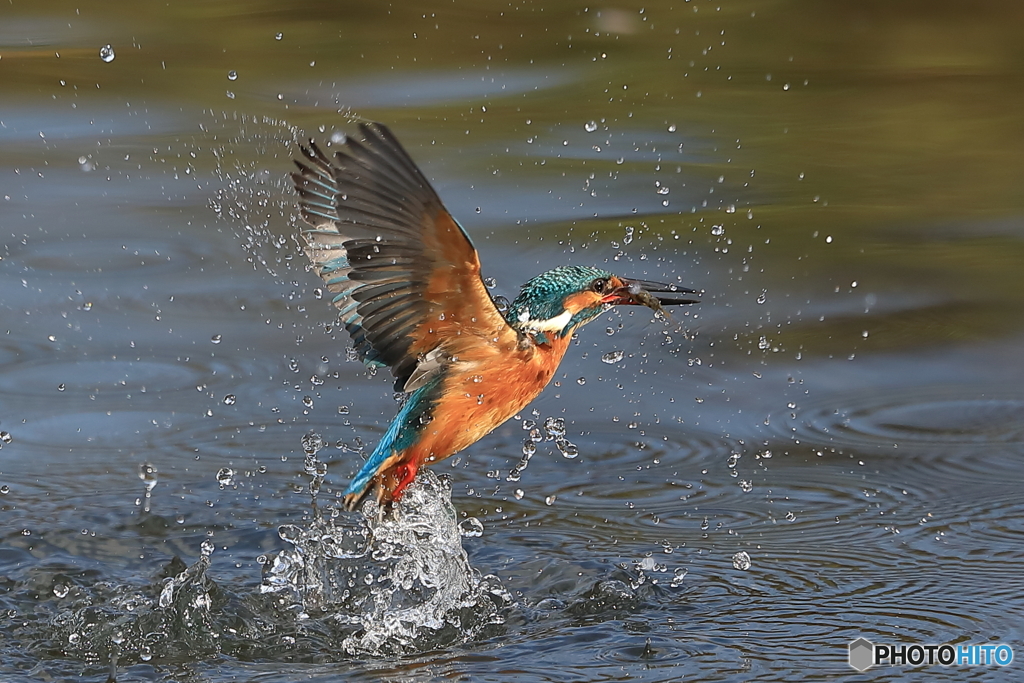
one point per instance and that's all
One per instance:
(404, 274)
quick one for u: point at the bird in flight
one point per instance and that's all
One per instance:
(406, 281)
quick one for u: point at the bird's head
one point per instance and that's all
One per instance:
(554, 304)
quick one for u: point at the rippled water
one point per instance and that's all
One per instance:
(828, 447)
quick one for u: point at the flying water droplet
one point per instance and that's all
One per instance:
(207, 547)
(590, 126)
(741, 561)
(216, 339)
(107, 53)
(613, 357)
(312, 443)
(232, 75)
(471, 527)
(568, 449)
(225, 477)
(148, 475)
(229, 400)
(554, 427)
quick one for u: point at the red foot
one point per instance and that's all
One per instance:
(404, 473)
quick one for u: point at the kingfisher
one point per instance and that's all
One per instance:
(406, 281)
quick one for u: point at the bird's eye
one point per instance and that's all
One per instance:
(599, 285)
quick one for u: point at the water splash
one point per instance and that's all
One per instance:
(401, 581)
(127, 623)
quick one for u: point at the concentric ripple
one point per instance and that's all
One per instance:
(928, 417)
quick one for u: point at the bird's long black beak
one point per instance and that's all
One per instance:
(655, 294)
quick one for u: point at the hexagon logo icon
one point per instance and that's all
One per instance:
(861, 654)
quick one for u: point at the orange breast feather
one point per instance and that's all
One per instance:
(487, 385)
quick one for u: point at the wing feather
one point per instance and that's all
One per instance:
(405, 275)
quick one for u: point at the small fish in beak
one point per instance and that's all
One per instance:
(653, 295)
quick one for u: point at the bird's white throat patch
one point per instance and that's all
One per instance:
(556, 324)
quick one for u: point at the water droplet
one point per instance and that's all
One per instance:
(279, 36)
(529, 448)
(677, 577)
(490, 282)
(554, 427)
(232, 75)
(6, 437)
(307, 401)
(216, 338)
(5, 489)
(471, 527)
(225, 477)
(148, 475)
(107, 53)
(662, 189)
(746, 486)
(568, 449)
(590, 126)
(60, 590)
(312, 443)
(762, 297)
(550, 500)
(206, 547)
(672, 128)
(581, 381)
(343, 410)
(60, 387)
(519, 493)
(763, 343)
(790, 516)
(741, 561)
(613, 357)
(229, 400)
(717, 230)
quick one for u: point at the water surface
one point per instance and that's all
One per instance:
(844, 407)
